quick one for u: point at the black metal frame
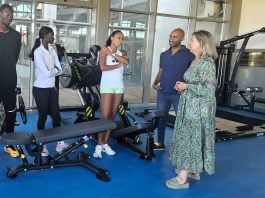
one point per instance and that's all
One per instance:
(226, 135)
(82, 131)
(58, 160)
(125, 140)
(229, 85)
(131, 132)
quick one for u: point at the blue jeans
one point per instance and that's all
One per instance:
(164, 102)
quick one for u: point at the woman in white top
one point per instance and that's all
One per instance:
(47, 66)
(111, 86)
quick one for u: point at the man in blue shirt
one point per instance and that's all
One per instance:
(173, 64)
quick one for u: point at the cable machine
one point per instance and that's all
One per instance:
(226, 85)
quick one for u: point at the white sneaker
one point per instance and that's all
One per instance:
(98, 150)
(61, 146)
(107, 149)
(45, 152)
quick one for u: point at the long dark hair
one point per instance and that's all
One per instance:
(44, 30)
(108, 42)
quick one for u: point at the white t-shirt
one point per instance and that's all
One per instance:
(112, 78)
(44, 61)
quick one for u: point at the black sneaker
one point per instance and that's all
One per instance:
(158, 146)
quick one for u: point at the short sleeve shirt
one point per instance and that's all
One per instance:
(174, 66)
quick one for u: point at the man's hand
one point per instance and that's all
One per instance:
(156, 87)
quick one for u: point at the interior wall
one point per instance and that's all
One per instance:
(253, 18)
(235, 18)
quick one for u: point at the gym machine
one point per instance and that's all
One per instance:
(82, 73)
(226, 85)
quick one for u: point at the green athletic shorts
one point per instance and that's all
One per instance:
(111, 90)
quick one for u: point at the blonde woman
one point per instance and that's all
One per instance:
(193, 140)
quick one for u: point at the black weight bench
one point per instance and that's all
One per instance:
(123, 136)
(82, 131)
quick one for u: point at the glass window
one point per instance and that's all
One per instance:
(210, 9)
(21, 9)
(66, 13)
(214, 28)
(164, 26)
(71, 25)
(139, 5)
(74, 38)
(128, 20)
(176, 7)
(133, 27)
(135, 71)
(72, 30)
(23, 65)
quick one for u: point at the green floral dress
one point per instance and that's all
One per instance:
(193, 140)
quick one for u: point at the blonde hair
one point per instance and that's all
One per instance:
(207, 43)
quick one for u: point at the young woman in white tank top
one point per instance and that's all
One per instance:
(111, 86)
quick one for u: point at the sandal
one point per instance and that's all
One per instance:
(195, 176)
(173, 183)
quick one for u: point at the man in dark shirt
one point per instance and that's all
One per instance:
(173, 64)
(10, 44)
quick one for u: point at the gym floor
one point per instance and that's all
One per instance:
(240, 172)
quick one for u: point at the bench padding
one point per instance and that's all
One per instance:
(72, 131)
(131, 130)
(58, 133)
(20, 138)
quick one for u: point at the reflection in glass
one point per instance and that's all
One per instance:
(139, 5)
(123, 19)
(211, 9)
(177, 7)
(66, 13)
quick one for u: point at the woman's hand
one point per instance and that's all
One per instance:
(180, 86)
